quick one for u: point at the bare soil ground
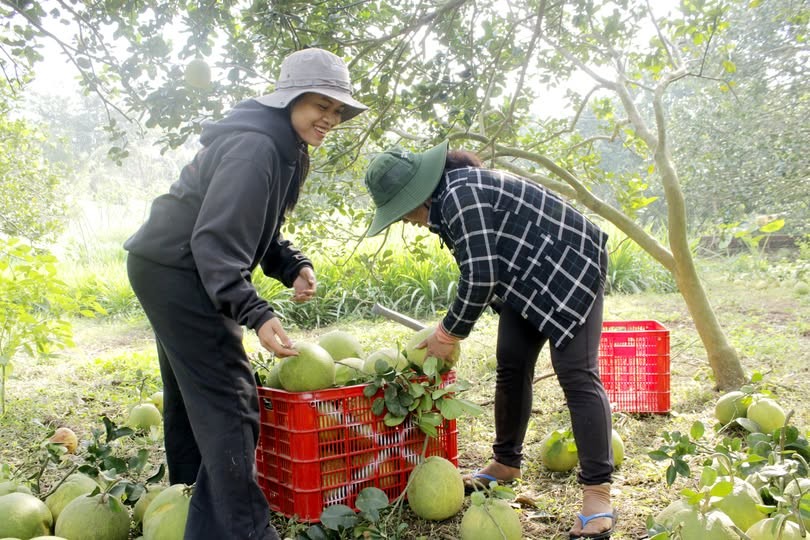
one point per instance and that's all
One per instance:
(769, 327)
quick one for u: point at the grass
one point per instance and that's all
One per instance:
(114, 357)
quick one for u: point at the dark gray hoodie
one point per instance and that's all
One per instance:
(223, 216)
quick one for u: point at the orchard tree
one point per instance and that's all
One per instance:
(474, 72)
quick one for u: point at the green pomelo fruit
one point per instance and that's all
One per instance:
(340, 345)
(741, 504)
(271, 379)
(75, 485)
(349, 369)
(666, 517)
(144, 501)
(165, 519)
(493, 520)
(157, 400)
(417, 357)
(311, 369)
(618, 448)
(713, 525)
(435, 489)
(144, 416)
(24, 516)
(773, 529)
(558, 451)
(390, 356)
(13, 486)
(767, 414)
(792, 491)
(198, 74)
(731, 405)
(94, 517)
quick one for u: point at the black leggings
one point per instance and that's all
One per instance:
(577, 370)
(211, 406)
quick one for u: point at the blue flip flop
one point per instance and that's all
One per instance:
(479, 480)
(584, 520)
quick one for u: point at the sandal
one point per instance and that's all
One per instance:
(481, 480)
(584, 520)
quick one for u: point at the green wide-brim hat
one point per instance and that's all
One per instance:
(399, 181)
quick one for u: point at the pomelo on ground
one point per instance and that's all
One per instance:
(67, 438)
(731, 405)
(13, 486)
(144, 501)
(741, 504)
(767, 414)
(75, 485)
(349, 369)
(792, 491)
(340, 344)
(143, 416)
(24, 516)
(417, 357)
(94, 517)
(492, 520)
(390, 356)
(774, 529)
(558, 451)
(618, 448)
(435, 489)
(157, 400)
(713, 525)
(165, 518)
(666, 516)
(311, 369)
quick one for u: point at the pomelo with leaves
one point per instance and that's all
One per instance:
(558, 451)
(435, 489)
(143, 416)
(165, 518)
(741, 503)
(23, 516)
(75, 485)
(731, 405)
(490, 519)
(417, 356)
(341, 344)
(774, 528)
(349, 369)
(392, 358)
(767, 414)
(311, 369)
(94, 517)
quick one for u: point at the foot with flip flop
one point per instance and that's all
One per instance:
(596, 520)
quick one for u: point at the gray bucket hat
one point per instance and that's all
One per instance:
(314, 70)
(399, 181)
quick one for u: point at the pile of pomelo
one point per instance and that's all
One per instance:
(339, 359)
(79, 510)
(759, 488)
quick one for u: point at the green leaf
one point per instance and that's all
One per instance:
(721, 489)
(773, 226)
(729, 66)
(337, 517)
(697, 430)
(370, 501)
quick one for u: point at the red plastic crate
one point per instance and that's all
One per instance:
(634, 366)
(324, 447)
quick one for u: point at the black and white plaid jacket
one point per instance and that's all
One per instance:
(517, 241)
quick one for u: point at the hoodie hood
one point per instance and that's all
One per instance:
(250, 115)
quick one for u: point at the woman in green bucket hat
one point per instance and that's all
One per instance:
(541, 265)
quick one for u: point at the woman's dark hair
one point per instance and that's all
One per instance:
(457, 159)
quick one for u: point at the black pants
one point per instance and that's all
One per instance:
(211, 410)
(577, 370)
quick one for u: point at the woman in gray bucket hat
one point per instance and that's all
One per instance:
(541, 265)
(190, 266)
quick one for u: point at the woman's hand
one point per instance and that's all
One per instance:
(305, 285)
(274, 339)
(442, 351)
